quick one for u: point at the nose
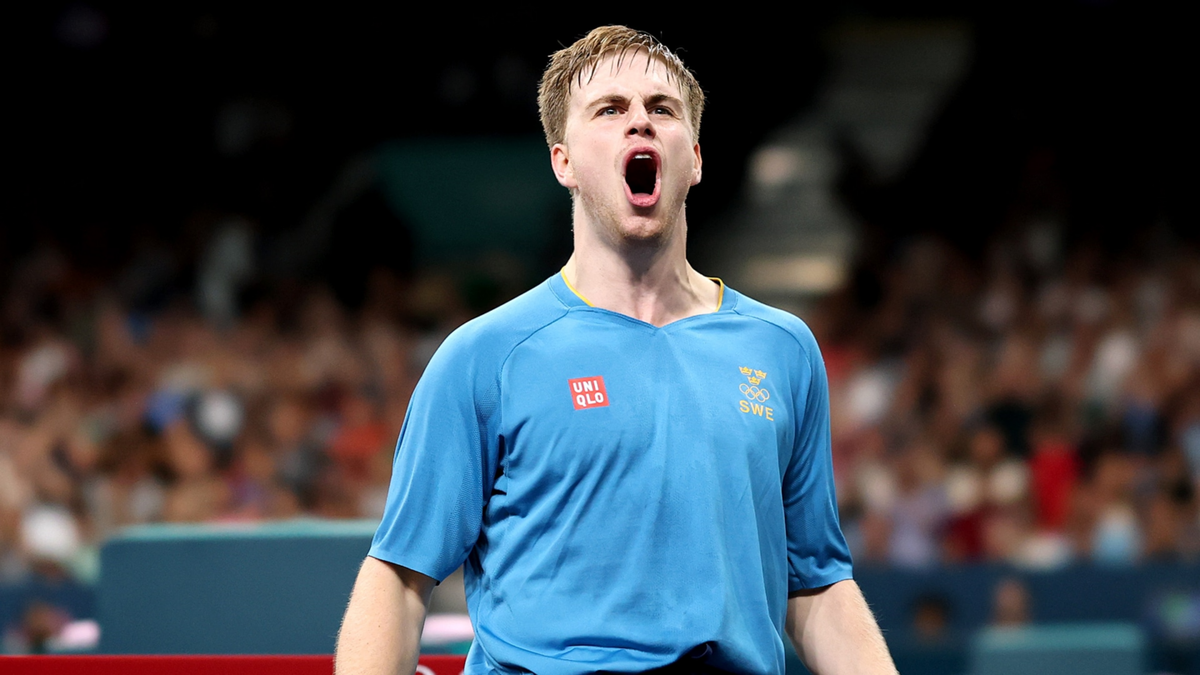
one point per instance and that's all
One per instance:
(640, 123)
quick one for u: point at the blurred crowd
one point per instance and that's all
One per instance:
(111, 416)
(1036, 409)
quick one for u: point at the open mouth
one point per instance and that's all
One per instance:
(641, 178)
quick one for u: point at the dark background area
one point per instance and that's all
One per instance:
(112, 142)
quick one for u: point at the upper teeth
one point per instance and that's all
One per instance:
(642, 155)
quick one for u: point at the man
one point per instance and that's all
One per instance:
(631, 459)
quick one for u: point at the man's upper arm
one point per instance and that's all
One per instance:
(817, 550)
(416, 582)
(444, 466)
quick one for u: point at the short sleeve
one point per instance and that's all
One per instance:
(817, 550)
(445, 464)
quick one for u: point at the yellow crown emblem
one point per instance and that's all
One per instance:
(754, 376)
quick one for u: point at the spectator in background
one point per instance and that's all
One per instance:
(931, 617)
(1010, 604)
(1054, 467)
(39, 624)
(1117, 534)
(920, 508)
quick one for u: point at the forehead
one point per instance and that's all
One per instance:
(630, 72)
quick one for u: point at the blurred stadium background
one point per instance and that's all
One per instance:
(232, 237)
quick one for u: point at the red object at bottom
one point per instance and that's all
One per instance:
(201, 665)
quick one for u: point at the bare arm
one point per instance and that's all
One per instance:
(834, 632)
(381, 632)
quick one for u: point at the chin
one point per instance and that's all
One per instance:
(648, 233)
(649, 229)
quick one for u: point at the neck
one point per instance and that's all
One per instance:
(649, 280)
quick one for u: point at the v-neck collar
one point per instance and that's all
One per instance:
(726, 299)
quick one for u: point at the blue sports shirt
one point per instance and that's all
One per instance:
(622, 495)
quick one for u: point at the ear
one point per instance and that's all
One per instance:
(698, 164)
(564, 171)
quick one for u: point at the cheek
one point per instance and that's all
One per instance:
(590, 170)
(685, 167)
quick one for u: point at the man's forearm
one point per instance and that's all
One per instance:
(381, 632)
(835, 633)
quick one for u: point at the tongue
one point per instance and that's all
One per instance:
(643, 200)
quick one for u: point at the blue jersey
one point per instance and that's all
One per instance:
(622, 495)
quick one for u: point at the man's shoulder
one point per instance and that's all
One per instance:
(788, 324)
(491, 336)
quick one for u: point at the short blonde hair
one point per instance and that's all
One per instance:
(568, 67)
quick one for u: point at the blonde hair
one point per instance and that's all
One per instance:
(568, 68)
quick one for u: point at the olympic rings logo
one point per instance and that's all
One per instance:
(755, 393)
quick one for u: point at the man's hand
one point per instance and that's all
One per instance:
(381, 632)
(835, 633)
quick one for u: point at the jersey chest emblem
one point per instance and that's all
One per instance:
(588, 392)
(755, 395)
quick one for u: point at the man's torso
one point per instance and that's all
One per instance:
(635, 510)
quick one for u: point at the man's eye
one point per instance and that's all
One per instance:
(662, 110)
(610, 110)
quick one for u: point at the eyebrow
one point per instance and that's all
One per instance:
(609, 98)
(652, 100)
(655, 99)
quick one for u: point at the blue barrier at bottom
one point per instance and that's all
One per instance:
(1071, 649)
(276, 588)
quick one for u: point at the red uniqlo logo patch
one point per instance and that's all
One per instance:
(588, 392)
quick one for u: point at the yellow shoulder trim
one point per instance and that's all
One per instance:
(563, 272)
(720, 293)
